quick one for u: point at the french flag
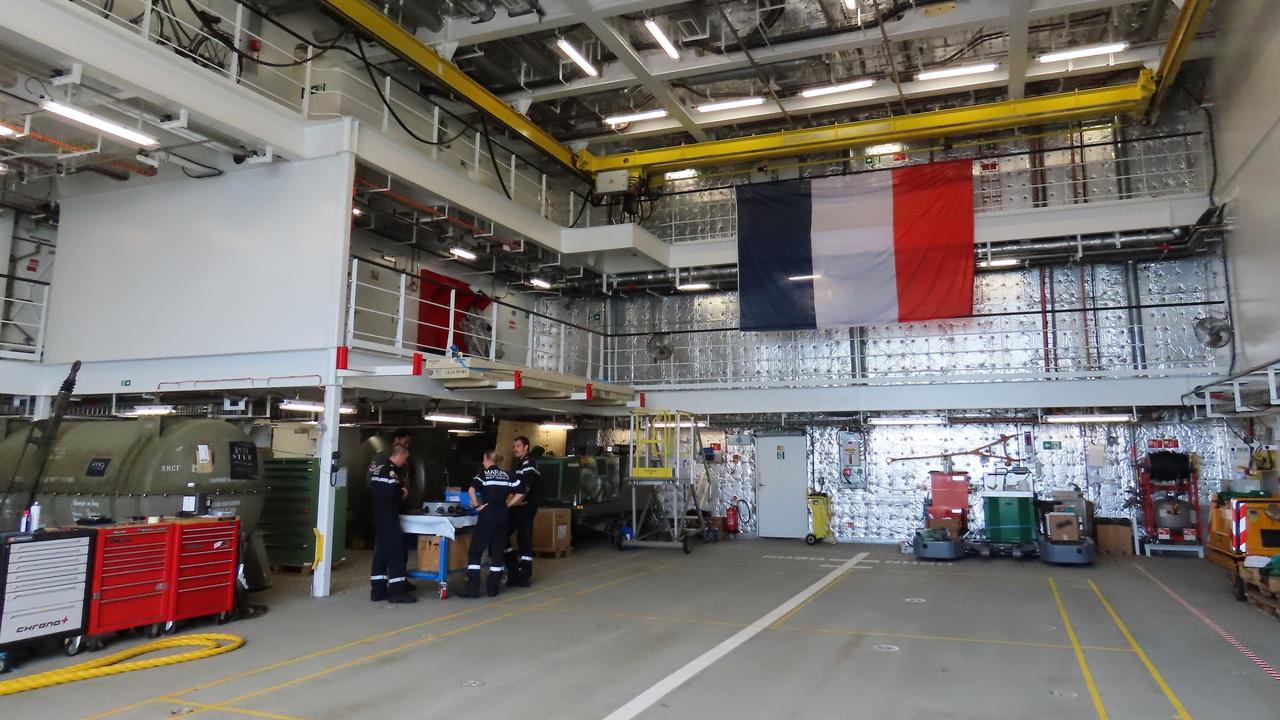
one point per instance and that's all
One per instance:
(864, 249)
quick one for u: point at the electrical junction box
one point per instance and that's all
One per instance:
(851, 472)
(613, 182)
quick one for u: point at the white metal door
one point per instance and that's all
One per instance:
(782, 469)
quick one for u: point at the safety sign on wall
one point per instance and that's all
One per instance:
(852, 475)
(782, 452)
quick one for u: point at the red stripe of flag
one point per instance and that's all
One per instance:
(933, 240)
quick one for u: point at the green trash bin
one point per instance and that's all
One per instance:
(1011, 516)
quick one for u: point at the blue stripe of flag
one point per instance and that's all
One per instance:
(774, 243)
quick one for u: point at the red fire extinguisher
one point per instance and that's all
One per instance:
(731, 517)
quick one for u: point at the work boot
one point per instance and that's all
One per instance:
(472, 589)
(402, 599)
(494, 581)
(378, 590)
(526, 570)
(517, 577)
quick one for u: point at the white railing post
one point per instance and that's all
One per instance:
(44, 319)
(528, 360)
(233, 69)
(404, 281)
(493, 331)
(590, 346)
(351, 300)
(564, 329)
(435, 131)
(542, 196)
(453, 300)
(569, 220)
(475, 156)
(306, 86)
(145, 28)
(604, 366)
(513, 176)
(386, 106)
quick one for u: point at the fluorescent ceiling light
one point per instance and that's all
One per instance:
(800, 278)
(662, 39)
(447, 418)
(462, 252)
(150, 410)
(463, 432)
(695, 286)
(6, 131)
(730, 104)
(357, 211)
(999, 262)
(97, 123)
(927, 420)
(1084, 52)
(577, 57)
(956, 71)
(309, 406)
(683, 424)
(635, 117)
(688, 174)
(1090, 418)
(833, 89)
(540, 283)
(557, 426)
(883, 149)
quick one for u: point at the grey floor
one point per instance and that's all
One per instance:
(891, 638)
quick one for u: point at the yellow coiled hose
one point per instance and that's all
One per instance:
(209, 644)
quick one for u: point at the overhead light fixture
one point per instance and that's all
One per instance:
(577, 57)
(462, 252)
(662, 39)
(683, 424)
(635, 117)
(730, 104)
(6, 131)
(463, 432)
(1083, 52)
(924, 420)
(956, 71)
(97, 123)
(1090, 418)
(694, 286)
(357, 211)
(801, 278)
(999, 262)
(540, 283)
(309, 406)
(150, 410)
(883, 149)
(687, 174)
(557, 426)
(447, 418)
(833, 89)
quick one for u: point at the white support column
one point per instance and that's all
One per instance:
(327, 454)
(42, 407)
(493, 331)
(453, 303)
(404, 280)
(528, 360)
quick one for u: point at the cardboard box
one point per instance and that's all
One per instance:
(1063, 526)
(429, 552)
(952, 525)
(1115, 539)
(551, 531)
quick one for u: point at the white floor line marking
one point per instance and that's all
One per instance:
(646, 699)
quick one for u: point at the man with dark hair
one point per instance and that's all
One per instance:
(492, 493)
(520, 558)
(387, 491)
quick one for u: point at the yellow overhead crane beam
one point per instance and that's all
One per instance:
(1184, 32)
(375, 23)
(1061, 107)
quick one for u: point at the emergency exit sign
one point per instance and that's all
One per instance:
(1051, 445)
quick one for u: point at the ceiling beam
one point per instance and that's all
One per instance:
(914, 24)
(1019, 20)
(555, 14)
(1061, 107)
(885, 92)
(627, 55)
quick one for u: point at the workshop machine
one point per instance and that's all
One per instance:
(1009, 506)
(1169, 494)
(1240, 525)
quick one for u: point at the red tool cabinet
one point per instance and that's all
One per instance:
(130, 575)
(205, 554)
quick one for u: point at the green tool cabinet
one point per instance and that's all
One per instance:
(1011, 516)
(289, 512)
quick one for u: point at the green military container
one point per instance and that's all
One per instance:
(567, 480)
(289, 512)
(1011, 516)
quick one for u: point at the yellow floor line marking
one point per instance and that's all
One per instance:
(236, 711)
(353, 643)
(419, 642)
(1075, 645)
(1142, 655)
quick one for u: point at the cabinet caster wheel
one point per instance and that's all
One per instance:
(1017, 554)
(222, 618)
(94, 644)
(169, 628)
(985, 552)
(444, 593)
(154, 630)
(73, 645)
(810, 539)
(5, 663)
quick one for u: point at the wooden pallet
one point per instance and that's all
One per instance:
(562, 553)
(1261, 592)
